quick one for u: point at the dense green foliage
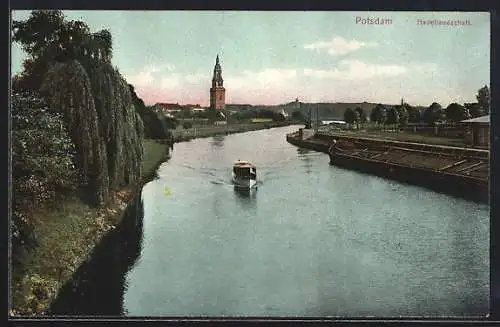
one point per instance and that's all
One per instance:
(298, 116)
(456, 112)
(361, 114)
(77, 125)
(379, 114)
(483, 99)
(67, 87)
(47, 38)
(474, 109)
(433, 113)
(403, 113)
(392, 116)
(257, 113)
(154, 126)
(350, 116)
(43, 167)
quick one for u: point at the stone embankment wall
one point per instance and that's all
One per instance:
(459, 171)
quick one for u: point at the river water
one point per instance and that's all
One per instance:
(312, 240)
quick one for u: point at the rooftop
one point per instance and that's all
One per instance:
(482, 119)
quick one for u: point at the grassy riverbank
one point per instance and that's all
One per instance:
(180, 134)
(66, 236)
(68, 233)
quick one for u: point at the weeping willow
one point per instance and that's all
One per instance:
(67, 89)
(129, 164)
(105, 127)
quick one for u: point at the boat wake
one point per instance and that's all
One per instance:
(230, 183)
(220, 182)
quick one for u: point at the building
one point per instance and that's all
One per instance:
(217, 91)
(478, 130)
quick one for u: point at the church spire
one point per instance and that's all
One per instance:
(217, 91)
(217, 80)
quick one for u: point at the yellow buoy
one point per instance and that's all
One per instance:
(167, 191)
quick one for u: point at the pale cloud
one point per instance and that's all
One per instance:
(156, 68)
(197, 78)
(426, 67)
(171, 81)
(338, 45)
(359, 70)
(270, 77)
(143, 78)
(146, 76)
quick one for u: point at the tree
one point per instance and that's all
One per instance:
(433, 113)
(379, 114)
(39, 32)
(474, 109)
(42, 161)
(185, 113)
(47, 38)
(392, 116)
(349, 116)
(103, 45)
(403, 114)
(40, 37)
(484, 99)
(456, 112)
(279, 117)
(362, 116)
(153, 126)
(414, 115)
(357, 118)
(170, 123)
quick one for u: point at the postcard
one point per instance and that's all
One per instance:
(250, 164)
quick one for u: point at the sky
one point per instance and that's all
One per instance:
(275, 57)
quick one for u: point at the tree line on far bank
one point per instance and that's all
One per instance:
(402, 114)
(240, 116)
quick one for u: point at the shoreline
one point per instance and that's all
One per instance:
(186, 135)
(34, 285)
(409, 163)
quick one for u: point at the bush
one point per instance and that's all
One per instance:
(187, 125)
(170, 123)
(42, 160)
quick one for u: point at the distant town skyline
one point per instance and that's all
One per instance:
(273, 58)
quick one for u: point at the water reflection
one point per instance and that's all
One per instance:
(303, 151)
(97, 287)
(304, 155)
(247, 197)
(218, 141)
(245, 193)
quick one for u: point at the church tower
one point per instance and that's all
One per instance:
(217, 91)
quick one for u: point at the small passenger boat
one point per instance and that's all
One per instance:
(244, 174)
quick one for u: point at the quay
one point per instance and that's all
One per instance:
(460, 171)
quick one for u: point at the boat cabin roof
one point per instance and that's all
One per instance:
(244, 164)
